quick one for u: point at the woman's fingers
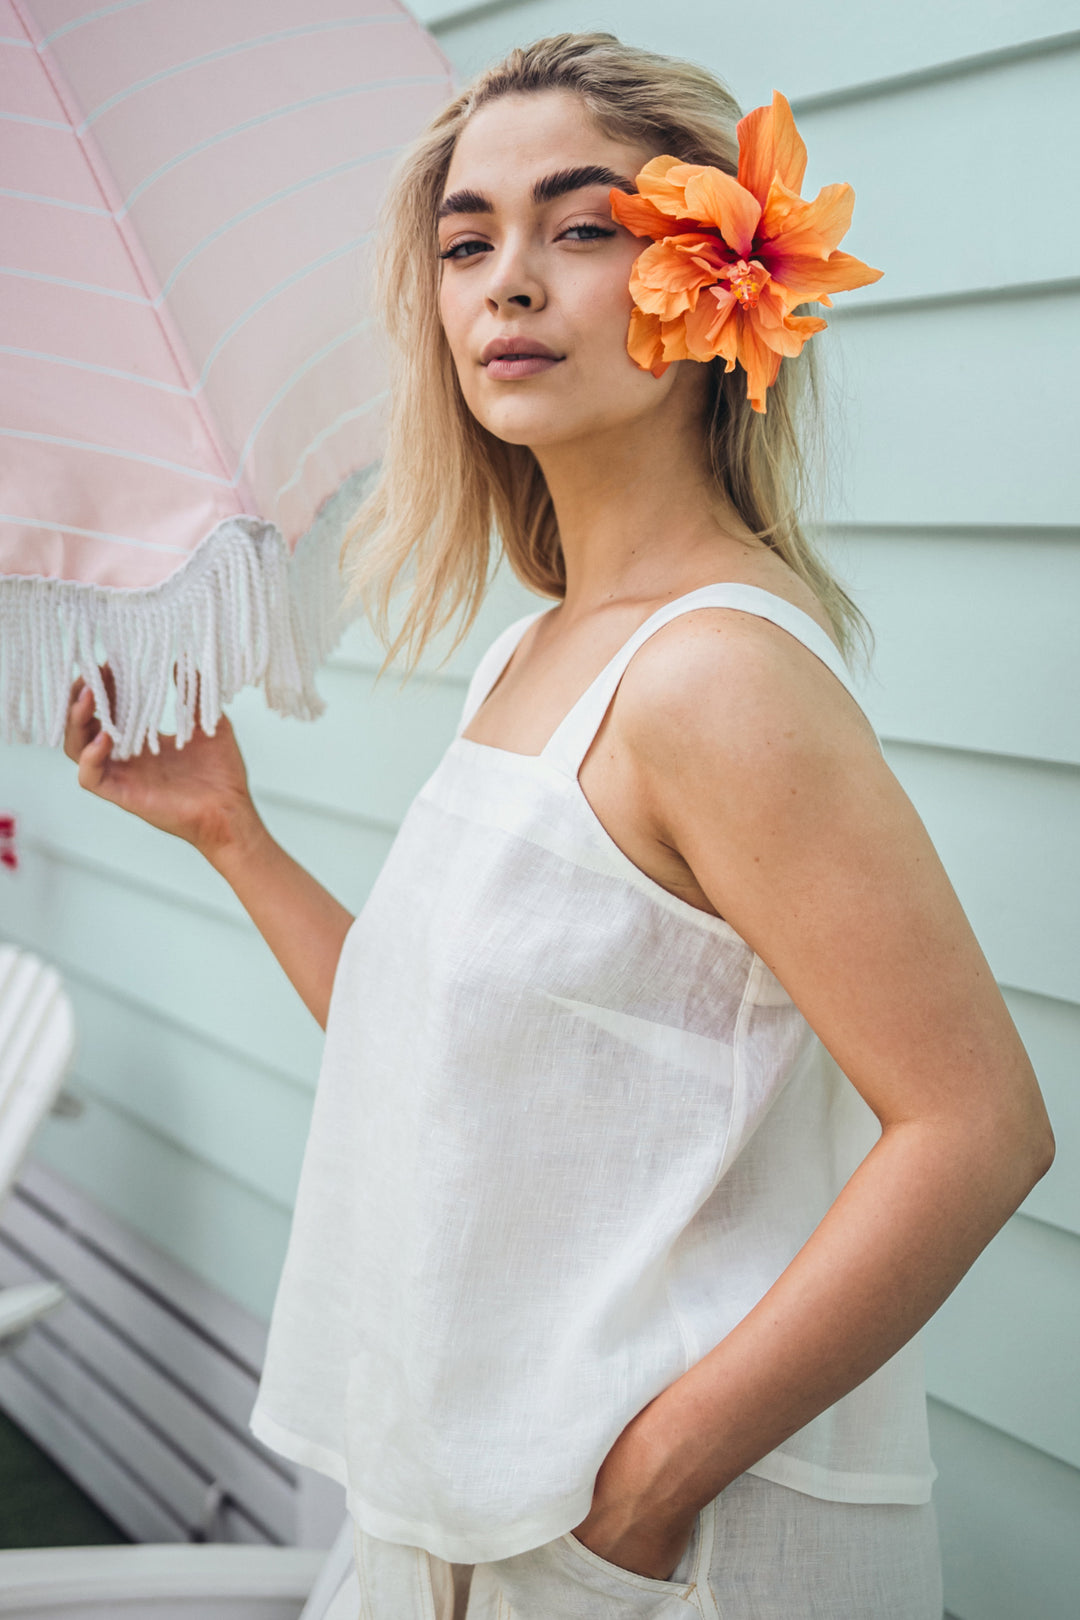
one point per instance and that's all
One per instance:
(93, 760)
(80, 726)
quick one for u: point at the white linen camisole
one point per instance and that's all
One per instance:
(568, 1130)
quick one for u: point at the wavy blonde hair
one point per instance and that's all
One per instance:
(447, 486)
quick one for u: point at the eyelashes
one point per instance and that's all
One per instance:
(454, 253)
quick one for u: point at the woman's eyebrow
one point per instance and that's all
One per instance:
(465, 202)
(544, 190)
(590, 174)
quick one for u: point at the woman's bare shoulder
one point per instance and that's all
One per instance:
(722, 678)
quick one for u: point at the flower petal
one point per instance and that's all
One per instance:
(770, 146)
(803, 277)
(639, 215)
(801, 252)
(761, 364)
(673, 340)
(712, 328)
(787, 335)
(714, 197)
(770, 310)
(643, 343)
(783, 207)
(664, 280)
(663, 182)
(807, 325)
(824, 221)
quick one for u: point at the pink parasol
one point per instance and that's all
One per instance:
(191, 385)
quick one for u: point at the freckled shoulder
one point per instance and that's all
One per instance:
(730, 677)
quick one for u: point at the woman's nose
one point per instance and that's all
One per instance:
(512, 282)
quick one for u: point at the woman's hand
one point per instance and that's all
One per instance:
(198, 793)
(635, 1520)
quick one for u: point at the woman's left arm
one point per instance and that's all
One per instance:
(777, 797)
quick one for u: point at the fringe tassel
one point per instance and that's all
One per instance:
(239, 612)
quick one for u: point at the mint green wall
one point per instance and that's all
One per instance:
(954, 516)
(196, 1062)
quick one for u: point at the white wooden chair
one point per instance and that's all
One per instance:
(37, 1044)
(181, 1582)
(147, 1581)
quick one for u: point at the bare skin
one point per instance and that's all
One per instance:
(772, 808)
(200, 793)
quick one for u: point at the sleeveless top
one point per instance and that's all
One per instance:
(568, 1130)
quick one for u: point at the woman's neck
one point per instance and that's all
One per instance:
(638, 510)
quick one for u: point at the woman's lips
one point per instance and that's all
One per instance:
(506, 366)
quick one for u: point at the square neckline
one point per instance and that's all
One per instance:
(580, 701)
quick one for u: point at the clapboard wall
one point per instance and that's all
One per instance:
(954, 515)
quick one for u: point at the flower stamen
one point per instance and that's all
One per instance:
(746, 282)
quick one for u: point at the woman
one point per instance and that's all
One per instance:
(666, 1091)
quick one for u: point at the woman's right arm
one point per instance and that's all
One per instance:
(200, 793)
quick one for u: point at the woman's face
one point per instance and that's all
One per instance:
(551, 271)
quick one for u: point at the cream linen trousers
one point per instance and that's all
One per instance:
(758, 1551)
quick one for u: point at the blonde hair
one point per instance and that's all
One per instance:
(446, 482)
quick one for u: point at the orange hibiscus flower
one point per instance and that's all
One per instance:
(731, 258)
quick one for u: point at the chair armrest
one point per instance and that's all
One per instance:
(23, 1304)
(209, 1579)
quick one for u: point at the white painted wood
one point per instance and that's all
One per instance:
(839, 48)
(977, 644)
(375, 746)
(146, 1365)
(1003, 1346)
(23, 1305)
(1008, 1515)
(1018, 884)
(71, 826)
(190, 1091)
(54, 813)
(168, 1583)
(928, 400)
(86, 1398)
(215, 1318)
(185, 964)
(1050, 1031)
(928, 162)
(76, 1333)
(231, 1237)
(225, 1385)
(320, 1510)
(141, 1516)
(37, 1039)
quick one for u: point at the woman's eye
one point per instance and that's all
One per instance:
(473, 245)
(597, 230)
(455, 251)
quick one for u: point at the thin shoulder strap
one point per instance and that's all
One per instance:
(570, 743)
(491, 665)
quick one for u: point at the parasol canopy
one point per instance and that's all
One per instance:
(191, 382)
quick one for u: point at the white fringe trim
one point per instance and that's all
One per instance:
(238, 612)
